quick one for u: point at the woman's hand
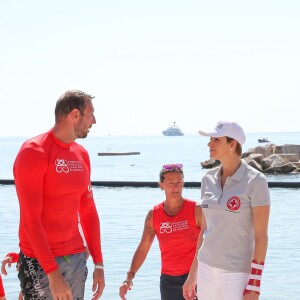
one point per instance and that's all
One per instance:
(189, 289)
(126, 285)
(251, 296)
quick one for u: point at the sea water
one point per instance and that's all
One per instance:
(122, 212)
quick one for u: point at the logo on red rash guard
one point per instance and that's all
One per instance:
(66, 166)
(234, 203)
(61, 166)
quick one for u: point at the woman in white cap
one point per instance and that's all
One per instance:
(233, 241)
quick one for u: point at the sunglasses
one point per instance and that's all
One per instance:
(171, 167)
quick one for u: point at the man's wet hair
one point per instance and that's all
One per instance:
(72, 99)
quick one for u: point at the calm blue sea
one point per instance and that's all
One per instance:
(122, 211)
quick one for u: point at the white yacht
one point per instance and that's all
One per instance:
(172, 131)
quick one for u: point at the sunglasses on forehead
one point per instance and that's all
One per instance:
(171, 167)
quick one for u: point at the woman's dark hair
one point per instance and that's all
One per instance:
(163, 173)
(70, 100)
(238, 148)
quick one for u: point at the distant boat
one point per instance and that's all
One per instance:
(117, 153)
(173, 131)
(264, 140)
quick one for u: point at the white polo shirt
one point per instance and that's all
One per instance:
(228, 241)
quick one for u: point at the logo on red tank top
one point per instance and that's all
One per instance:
(165, 227)
(168, 227)
(234, 203)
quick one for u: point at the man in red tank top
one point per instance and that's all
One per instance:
(176, 223)
(58, 216)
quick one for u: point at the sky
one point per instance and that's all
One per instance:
(150, 63)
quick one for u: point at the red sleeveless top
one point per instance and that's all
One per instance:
(177, 236)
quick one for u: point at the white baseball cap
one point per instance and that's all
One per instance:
(225, 128)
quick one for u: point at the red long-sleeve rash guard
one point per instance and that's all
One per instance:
(53, 186)
(14, 256)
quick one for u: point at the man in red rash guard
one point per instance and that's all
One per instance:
(52, 178)
(176, 224)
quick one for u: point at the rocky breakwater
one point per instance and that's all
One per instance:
(270, 159)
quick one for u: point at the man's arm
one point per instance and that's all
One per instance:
(140, 254)
(90, 224)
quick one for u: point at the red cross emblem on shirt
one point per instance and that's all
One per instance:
(234, 203)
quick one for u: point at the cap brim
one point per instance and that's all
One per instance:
(206, 133)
